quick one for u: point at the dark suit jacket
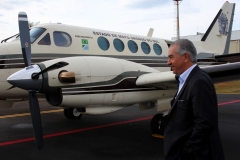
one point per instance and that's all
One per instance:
(191, 129)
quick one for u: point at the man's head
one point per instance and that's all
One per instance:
(182, 54)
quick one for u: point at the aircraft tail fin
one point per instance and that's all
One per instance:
(217, 37)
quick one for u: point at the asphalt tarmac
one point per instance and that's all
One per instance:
(121, 135)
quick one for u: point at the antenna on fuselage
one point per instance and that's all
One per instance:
(176, 2)
(150, 32)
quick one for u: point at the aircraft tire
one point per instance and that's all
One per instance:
(72, 113)
(157, 124)
(65, 111)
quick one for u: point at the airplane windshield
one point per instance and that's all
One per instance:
(34, 34)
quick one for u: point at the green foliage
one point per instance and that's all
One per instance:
(31, 24)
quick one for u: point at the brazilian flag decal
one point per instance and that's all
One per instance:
(85, 44)
(84, 41)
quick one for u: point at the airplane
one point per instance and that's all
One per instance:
(91, 71)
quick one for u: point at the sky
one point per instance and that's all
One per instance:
(126, 16)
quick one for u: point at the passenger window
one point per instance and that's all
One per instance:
(45, 40)
(118, 44)
(157, 49)
(103, 43)
(62, 39)
(145, 48)
(133, 47)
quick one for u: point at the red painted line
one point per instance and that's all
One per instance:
(75, 131)
(90, 128)
(17, 141)
(230, 102)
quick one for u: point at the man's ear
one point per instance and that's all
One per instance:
(187, 57)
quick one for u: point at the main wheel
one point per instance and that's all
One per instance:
(157, 124)
(72, 113)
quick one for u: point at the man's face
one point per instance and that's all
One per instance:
(175, 61)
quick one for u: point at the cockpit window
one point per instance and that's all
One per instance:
(45, 40)
(62, 39)
(34, 34)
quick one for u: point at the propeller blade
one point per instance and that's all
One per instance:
(52, 67)
(25, 38)
(33, 100)
(36, 119)
(10, 88)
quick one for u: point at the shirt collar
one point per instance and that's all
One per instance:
(185, 74)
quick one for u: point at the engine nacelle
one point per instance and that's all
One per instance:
(97, 81)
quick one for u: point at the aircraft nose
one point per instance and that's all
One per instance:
(23, 79)
(3, 51)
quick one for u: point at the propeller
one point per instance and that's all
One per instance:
(29, 78)
(33, 100)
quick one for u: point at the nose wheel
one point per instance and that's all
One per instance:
(72, 113)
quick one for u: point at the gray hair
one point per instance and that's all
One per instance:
(186, 46)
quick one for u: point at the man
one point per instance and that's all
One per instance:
(191, 129)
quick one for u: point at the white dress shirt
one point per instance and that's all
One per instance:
(182, 78)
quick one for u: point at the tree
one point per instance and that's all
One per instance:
(31, 24)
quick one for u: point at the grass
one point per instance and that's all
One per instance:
(228, 87)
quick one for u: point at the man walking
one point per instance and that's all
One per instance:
(191, 129)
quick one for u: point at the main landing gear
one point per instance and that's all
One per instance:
(72, 113)
(157, 124)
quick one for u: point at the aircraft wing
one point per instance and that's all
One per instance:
(233, 57)
(166, 80)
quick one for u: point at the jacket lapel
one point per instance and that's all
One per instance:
(195, 69)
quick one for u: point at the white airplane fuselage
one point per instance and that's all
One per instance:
(96, 69)
(12, 59)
